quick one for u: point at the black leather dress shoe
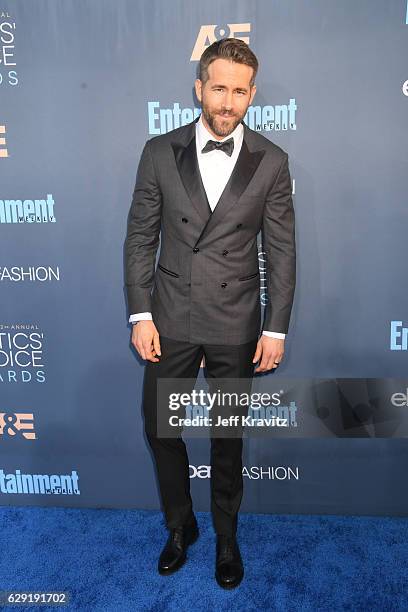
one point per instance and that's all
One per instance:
(229, 569)
(173, 554)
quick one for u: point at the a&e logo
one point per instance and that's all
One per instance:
(210, 33)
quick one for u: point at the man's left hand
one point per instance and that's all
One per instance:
(269, 351)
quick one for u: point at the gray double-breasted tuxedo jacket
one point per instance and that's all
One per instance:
(206, 287)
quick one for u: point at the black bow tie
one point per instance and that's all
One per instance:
(226, 145)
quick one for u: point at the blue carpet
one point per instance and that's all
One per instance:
(107, 560)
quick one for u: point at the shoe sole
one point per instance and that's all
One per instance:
(173, 570)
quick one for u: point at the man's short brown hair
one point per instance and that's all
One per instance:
(231, 49)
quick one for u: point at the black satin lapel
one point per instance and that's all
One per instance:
(187, 165)
(244, 169)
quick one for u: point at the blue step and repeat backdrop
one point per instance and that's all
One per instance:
(83, 84)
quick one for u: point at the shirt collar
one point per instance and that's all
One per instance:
(203, 135)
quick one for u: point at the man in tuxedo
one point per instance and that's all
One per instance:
(205, 190)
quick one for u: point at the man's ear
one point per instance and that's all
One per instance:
(198, 87)
(253, 92)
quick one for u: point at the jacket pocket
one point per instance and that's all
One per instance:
(244, 278)
(169, 272)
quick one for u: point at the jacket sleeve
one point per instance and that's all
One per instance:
(278, 240)
(142, 237)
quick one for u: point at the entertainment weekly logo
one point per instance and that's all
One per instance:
(21, 354)
(268, 118)
(398, 336)
(8, 74)
(18, 483)
(28, 211)
(254, 472)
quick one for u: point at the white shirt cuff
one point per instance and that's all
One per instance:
(274, 334)
(140, 316)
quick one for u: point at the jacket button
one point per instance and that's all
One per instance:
(223, 285)
(225, 252)
(239, 225)
(195, 250)
(184, 220)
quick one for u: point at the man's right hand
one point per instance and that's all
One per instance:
(146, 340)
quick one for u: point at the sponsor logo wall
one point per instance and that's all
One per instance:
(77, 105)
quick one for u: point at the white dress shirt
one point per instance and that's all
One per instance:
(215, 168)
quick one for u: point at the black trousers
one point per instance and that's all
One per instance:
(182, 360)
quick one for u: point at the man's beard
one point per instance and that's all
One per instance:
(215, 121)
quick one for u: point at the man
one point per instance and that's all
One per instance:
(209, 187)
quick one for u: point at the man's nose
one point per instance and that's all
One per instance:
(228, 101)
